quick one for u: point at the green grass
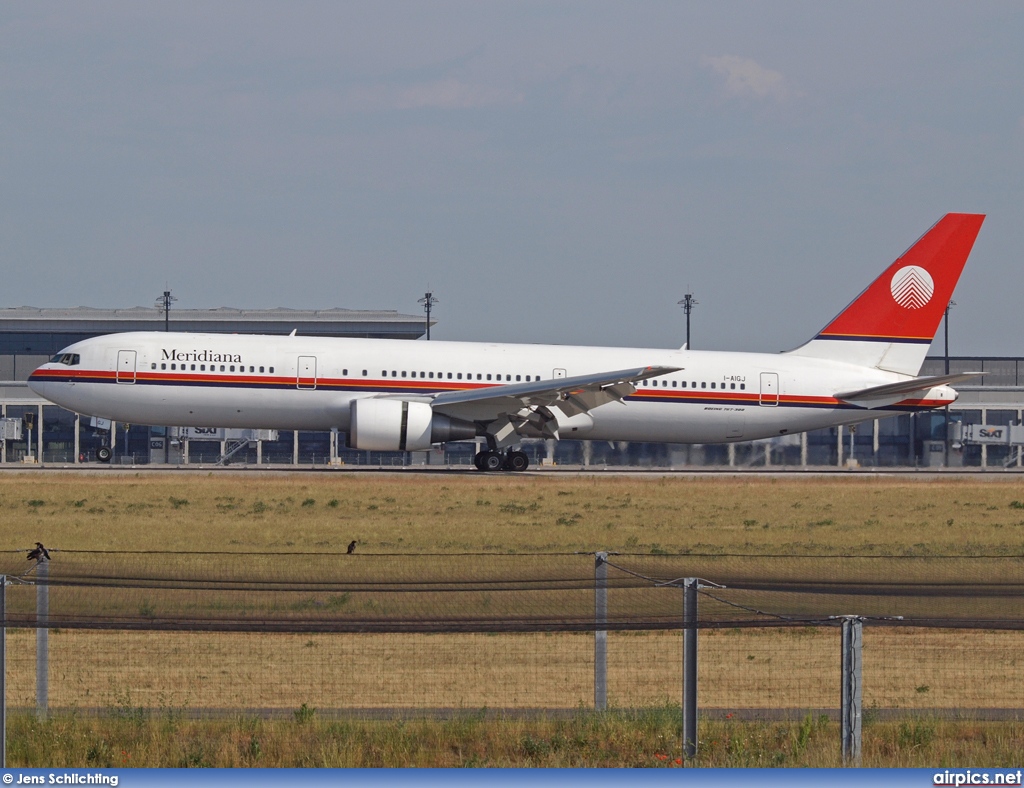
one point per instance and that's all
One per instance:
(643, 738)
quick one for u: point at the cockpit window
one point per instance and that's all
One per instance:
(69, 359)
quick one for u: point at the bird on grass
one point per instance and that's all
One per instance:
(38, 553)
(351, 547)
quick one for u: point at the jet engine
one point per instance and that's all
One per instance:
(397, 425)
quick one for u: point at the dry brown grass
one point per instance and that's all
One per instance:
(426, 513)
(796, 668)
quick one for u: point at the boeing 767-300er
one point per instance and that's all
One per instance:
(395, 395)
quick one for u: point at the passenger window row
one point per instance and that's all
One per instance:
(693, 384)
(213, 367)
(72, 359)
(384, 373)
(452, 375)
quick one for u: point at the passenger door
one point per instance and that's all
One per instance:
(125, 366)
(770, 388)
(306, 376)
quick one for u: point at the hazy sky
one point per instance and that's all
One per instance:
(553, 171)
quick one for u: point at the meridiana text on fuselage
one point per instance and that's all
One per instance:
(199, 355)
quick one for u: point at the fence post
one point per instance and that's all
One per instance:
(850, 708)
(690, 667)
(3, 671)
(600, 631)
(42, 637)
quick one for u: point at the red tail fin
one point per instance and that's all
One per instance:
(891, 324)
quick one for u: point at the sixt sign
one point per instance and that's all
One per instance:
(993, 434)
(221, 434)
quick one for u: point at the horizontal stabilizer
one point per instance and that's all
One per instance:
(880, 396)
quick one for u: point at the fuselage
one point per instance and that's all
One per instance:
(308, 383)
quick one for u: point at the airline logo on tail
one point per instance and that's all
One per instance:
(912, 287)
(906, 303)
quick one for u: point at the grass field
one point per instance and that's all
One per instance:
(121, 672)
(775, 669)
(647, 738)
(508, 514)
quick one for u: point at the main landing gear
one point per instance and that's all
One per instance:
(501, 461)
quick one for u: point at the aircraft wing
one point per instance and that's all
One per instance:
(539, 408)
(880, 396)
(572, 395)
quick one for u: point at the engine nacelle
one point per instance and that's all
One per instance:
(397, 425)
(551, 422)
(571, 426)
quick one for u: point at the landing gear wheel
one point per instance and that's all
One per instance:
(103, 454)
(518, 461)
(491, 461)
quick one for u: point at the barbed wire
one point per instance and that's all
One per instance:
(648, 555)
(306, 591)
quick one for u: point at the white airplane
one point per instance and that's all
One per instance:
(396, 395)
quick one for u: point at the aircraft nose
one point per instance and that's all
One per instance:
(35, 381)
(39, 381)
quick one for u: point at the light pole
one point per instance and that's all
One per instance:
(428, 302)
(164, 302)
(688, 303)
(945, 328)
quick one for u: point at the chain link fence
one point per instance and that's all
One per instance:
(413, 635)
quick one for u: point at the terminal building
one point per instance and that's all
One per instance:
(29, 336)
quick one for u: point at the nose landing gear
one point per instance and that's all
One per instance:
(501, 461)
